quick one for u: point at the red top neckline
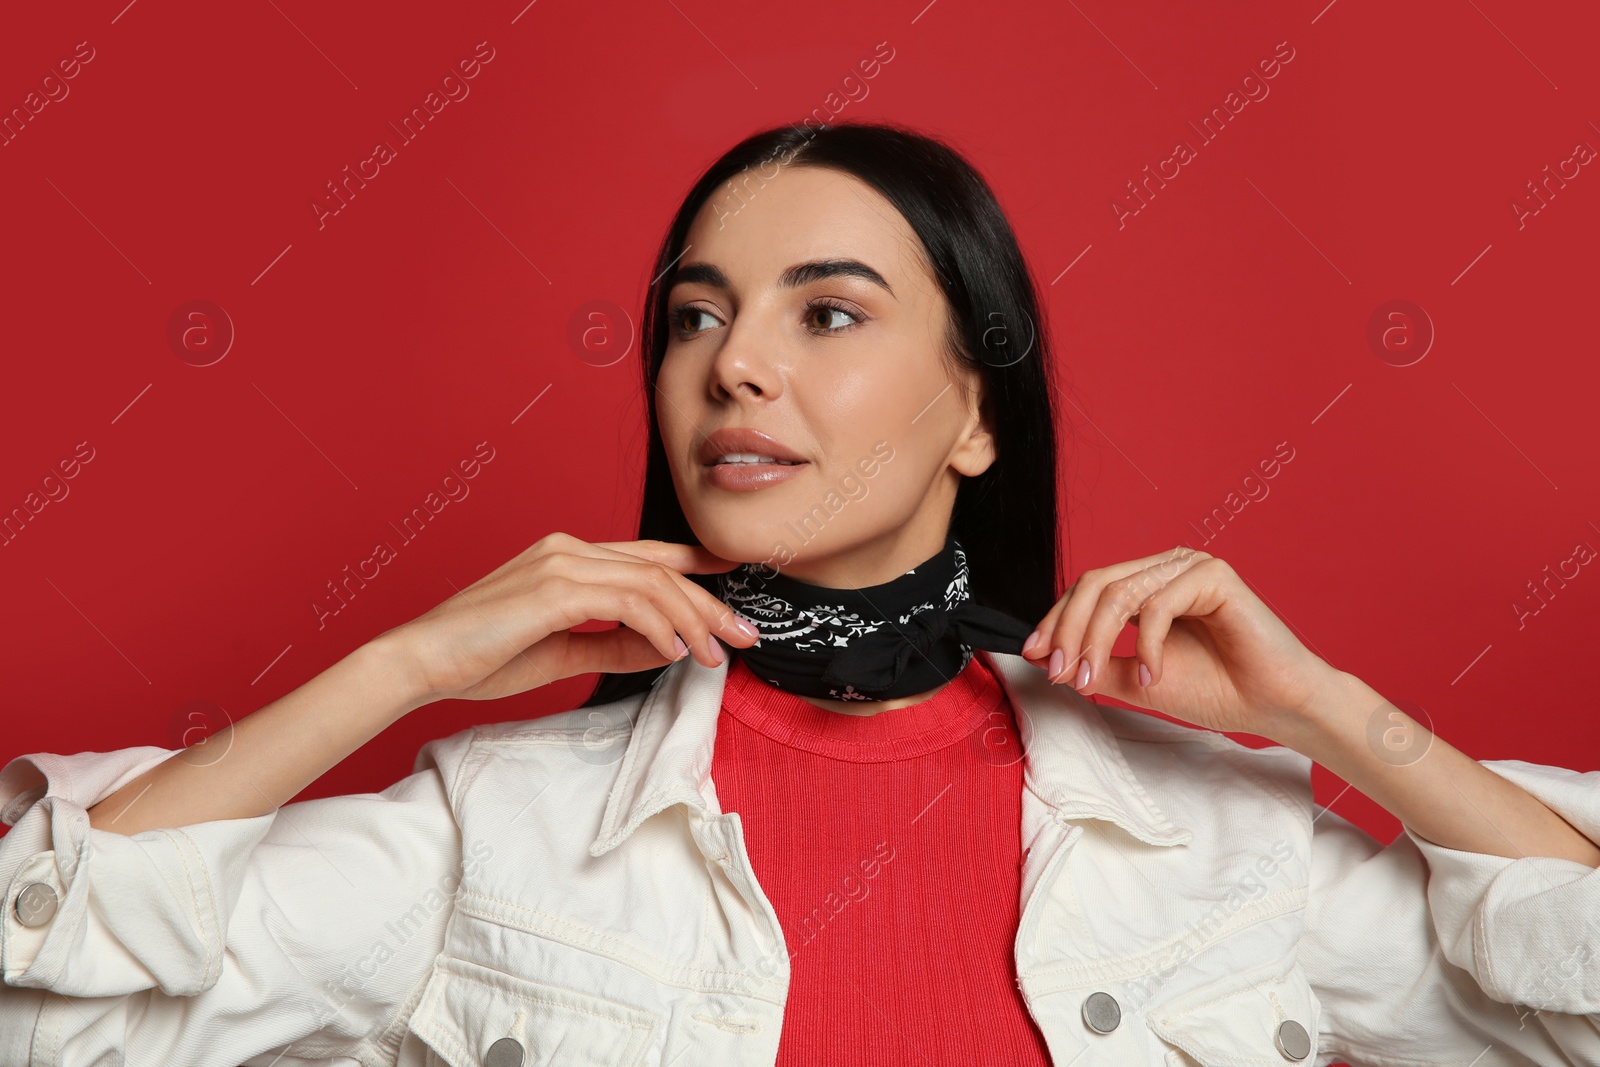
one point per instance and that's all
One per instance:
(952, 713)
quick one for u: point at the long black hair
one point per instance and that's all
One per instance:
(1006, 517)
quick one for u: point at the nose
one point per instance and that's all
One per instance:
(746, 362)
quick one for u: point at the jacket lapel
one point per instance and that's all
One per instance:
(1071, 759)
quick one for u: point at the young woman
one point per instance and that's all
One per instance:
(839, 796)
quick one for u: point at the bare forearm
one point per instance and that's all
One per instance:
(1432, 787)
(266, 758)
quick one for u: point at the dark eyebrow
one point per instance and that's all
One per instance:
(800, 274)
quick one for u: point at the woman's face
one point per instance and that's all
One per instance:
(807, 313)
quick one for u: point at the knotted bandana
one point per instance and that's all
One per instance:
(909, 635)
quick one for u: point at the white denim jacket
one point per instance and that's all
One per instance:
(567, 890)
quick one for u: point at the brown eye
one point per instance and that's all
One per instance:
(820, 317)
(680, 313)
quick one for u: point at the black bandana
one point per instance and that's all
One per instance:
(906, 636)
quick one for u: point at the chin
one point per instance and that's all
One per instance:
(764, 534)
(745, 542)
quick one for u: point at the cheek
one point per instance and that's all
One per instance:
(854, 402)
(862, 415)
(672, 407)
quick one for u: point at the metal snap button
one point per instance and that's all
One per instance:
(1101, 1012)
(36, 904)
(507, 1052)
(1293, 1041)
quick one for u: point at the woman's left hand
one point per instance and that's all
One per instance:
(1216, 656)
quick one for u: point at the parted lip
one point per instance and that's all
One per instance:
(744, 439)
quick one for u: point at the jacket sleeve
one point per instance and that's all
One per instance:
(1421, 954)
(299, 936)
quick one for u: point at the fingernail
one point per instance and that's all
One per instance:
(1144, 675)
(679, 647)
(1030, 643)
(1083, 675)
(716, 650)
(1058, 660)
(745, 627)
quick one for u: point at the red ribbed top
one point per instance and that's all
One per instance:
(890, 847)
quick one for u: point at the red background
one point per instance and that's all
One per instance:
(374, 351)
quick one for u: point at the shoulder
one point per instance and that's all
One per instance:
(1190, 768)
(561, 743)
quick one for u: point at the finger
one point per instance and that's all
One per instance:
(565, 654)
(597, 591)
(1070, 615)
(638, 594)
(685, 559)
(616, 651)
(1101, 608)
(1119, 679)
(690, 559)
(1194, 592)
(1119, 601)
(1044, 629)
(727, 624)
(1063, 627)
(656, 600)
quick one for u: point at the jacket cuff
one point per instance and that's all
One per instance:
(90, 912)
(85, 778)
(1528, 930)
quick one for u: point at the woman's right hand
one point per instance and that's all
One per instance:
(512, 629)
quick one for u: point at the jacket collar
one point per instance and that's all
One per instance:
(1071, 759)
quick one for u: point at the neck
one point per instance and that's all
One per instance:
(870, 707)
(868, 649)
(873, 563)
